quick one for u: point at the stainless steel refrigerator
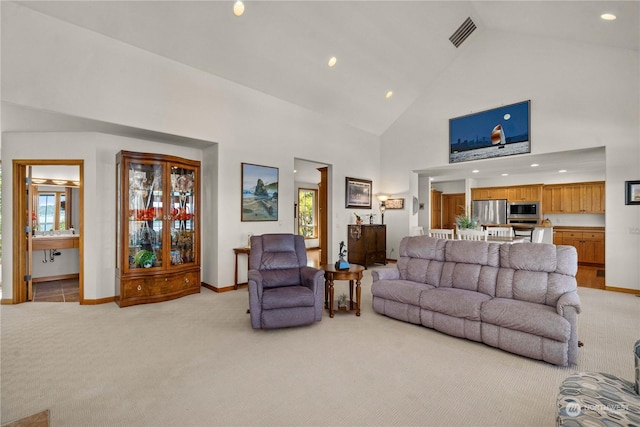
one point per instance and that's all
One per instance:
(489, 211)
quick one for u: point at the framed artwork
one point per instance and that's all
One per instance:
(358, 193)
(502, 131)
(259, 193)
(394, 203)
(632, 193)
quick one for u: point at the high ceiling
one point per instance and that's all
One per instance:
(281, 48)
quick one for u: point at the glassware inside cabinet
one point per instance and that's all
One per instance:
(183, 215)
(145, 215)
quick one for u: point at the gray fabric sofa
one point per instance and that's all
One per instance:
(521, 298)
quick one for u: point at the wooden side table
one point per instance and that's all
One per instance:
(354, 273)
(237, 251)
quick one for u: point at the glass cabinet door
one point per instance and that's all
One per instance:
(146, 217)
(183, 219)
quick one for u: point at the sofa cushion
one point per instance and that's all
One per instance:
(287, 296)
(420, 270)
(404, 291)
(471, 277)
(422, 247)
(458, 303)
(473, 252)
(535, 319)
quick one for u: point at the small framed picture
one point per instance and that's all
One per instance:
(394, 204)
(358, 193)
(632, 193)
(259, 193)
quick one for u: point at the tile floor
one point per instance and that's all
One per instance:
(56, 291)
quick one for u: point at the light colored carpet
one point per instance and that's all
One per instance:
(196, 361)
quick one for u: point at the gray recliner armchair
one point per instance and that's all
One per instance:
(283, 290)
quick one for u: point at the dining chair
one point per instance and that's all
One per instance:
(500, 231)
(537, 235)
(441, 233)
(469, 234)
(416, 231)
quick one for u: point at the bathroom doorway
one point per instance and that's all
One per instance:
(48, 231)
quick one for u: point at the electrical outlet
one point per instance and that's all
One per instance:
(634, 230)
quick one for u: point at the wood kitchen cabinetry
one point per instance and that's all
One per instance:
(158, 228)
(367, 244)
(581, 197)
(589, 243)
(515, 193)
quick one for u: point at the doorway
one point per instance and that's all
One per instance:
(48, 239)
(311, 205)
(452, 205)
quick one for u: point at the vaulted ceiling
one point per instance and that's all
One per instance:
(282, 48)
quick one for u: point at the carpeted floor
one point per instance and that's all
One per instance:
(196, 361)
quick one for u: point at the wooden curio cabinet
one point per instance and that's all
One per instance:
(157, 226)
(367, 244)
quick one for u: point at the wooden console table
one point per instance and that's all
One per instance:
(237, 251)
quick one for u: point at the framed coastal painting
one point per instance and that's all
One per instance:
(502, 131)
(358, 193)
(259, 193)
(632, 193)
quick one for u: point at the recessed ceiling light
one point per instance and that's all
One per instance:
(562, 171)
(534, 165)
(332, 61)
(389, 94)
(505, 174)
(475, 171)
(238, 8)
(608, 16)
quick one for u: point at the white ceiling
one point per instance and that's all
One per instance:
(281, 48)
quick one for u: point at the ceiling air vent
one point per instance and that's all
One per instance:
(462, 33)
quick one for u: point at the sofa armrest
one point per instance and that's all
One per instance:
(385, 274)
(254, 279)
(570, 299)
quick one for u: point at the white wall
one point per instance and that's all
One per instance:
(50, 65)
(98, 151)
(581, 97)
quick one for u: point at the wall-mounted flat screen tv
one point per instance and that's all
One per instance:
(502, 131)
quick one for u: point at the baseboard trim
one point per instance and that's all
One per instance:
(6, 301)
(54, 278)
(624, 290)
(98, 301)
(225, 289)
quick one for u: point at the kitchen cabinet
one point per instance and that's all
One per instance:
(367, 244)
(589, 243)
(514, 193)
(524, 193)
(157, 228)
(582, 197)
(488, 193)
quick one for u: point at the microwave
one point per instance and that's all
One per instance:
(524, 210)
